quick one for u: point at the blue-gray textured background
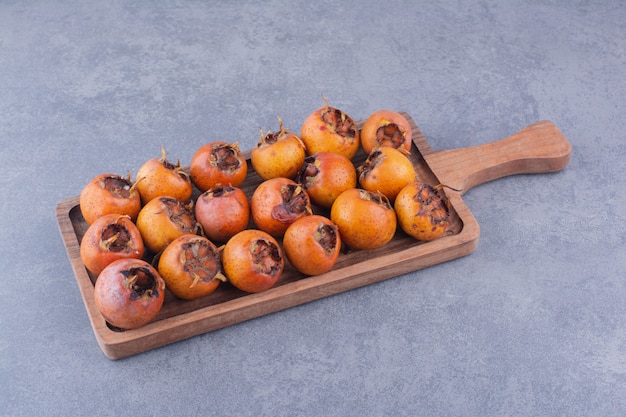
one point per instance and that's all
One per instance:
(532, 323)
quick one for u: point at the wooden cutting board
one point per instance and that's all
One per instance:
(538, 148)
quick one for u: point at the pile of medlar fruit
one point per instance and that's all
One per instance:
(313, 202)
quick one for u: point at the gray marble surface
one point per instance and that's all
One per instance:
(532, 323)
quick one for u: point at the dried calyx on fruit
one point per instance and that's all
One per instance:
(266, 257)
(329, 129)
(252, 260)
(295, 201)
(278, 154)
(218, 163)
(129, 293)
(225, 157)
(389, 135)
(110, 237)
(325, 175)
(109, 194)
(141, 283)
(386, 170)
(423, 210)
(339, 122)
(386, 128)
(159, 177)
(191, 267)
(164, 219)
(278, 202)
(366, 219)
(312, 244)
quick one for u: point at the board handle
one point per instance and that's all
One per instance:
(538, 148)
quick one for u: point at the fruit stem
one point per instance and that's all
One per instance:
(325, 101)
(403, 150)
(122, 216)
(281, 129)
(133, 186)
